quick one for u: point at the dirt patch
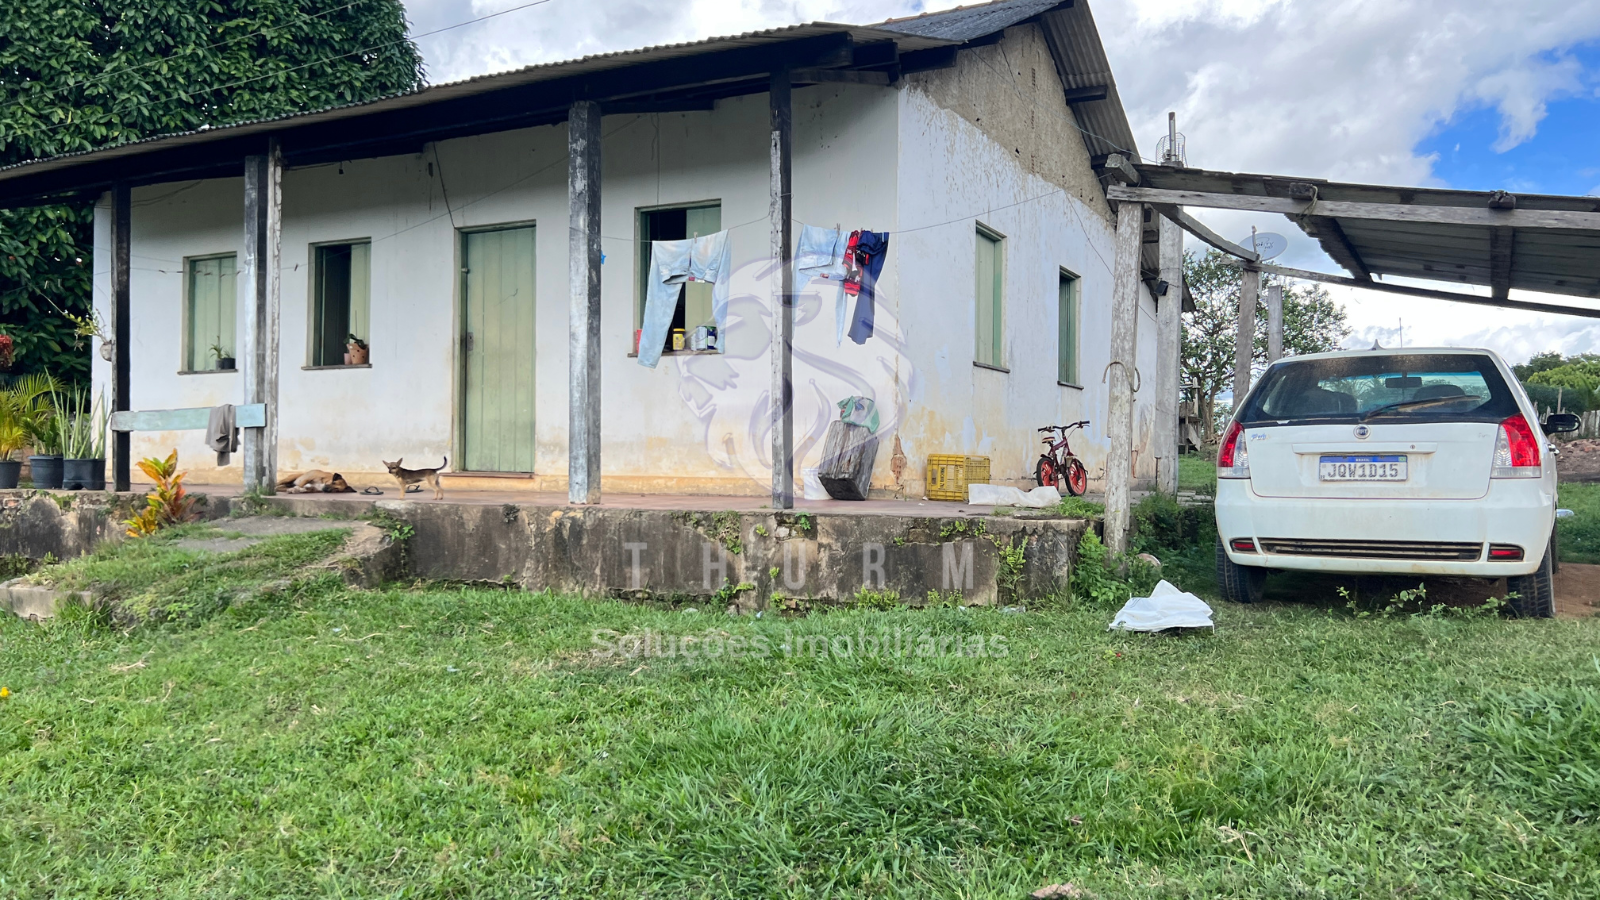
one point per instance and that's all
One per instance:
(1577, 591)
(1579, 461)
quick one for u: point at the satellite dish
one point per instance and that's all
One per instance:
(1267, 244)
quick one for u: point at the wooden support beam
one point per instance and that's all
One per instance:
(121, 322)
(780, 215)
(1274, 323)
(258, 276)
(1348, 209)
(838, 76)
(1198, 229)
(1244, 342)
(1500, 243)
(583, 311)
(1119, 373)
(1118, 167)
(1427, 293)
(1169, 356)
(249, 415)
(1087, 94)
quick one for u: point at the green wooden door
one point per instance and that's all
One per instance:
(498, 344)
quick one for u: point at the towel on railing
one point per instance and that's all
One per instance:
(221, 434)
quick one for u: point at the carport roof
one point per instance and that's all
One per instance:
(1499, 240)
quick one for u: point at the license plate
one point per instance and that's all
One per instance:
(1362, 468)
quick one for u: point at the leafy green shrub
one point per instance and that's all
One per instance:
(1105, 580)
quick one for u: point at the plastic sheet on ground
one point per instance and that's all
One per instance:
(998, 495)
(1166, 607)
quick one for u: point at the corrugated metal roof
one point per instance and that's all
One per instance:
(1081, 61)
(481, 84)
(1556, 261)
(966, 23)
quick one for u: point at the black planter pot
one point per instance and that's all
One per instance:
(82, 474)
(226, 364)
(10, 471)
(46, 472)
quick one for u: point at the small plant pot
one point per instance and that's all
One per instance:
(81, 474)
(10, 472)
(357, 356)
(226, 364)
(46, 472)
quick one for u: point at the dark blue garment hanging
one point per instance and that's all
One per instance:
(875, 246)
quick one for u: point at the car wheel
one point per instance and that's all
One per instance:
(1536, 592)
(1239, 584)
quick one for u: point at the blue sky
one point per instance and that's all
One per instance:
(1563, 157)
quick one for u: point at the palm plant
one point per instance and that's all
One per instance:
(27, 414)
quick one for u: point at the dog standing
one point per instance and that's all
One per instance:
(429, 477)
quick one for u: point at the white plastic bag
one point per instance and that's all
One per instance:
(1166, 607)
(999, 495)
(811, 485)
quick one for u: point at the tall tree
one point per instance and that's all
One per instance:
(1312, 323)
(82, 74)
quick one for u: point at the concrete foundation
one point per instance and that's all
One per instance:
(677, 547)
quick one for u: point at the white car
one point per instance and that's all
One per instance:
(1405, 462)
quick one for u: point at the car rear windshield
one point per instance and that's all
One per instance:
(1442, 387)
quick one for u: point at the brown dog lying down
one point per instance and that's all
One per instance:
(315, 481)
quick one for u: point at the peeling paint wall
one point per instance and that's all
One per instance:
(974, 138)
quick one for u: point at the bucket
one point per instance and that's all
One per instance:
(46, 471)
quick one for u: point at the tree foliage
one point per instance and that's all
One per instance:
(1312, 323)
(80, 75)
(1565, 384)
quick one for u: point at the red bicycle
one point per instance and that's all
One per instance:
(1058, 465)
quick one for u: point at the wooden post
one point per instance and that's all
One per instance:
(583, 314)
(1169, 356)
(258, 275)
(779, 213)
(1274, 323)
(121, 320)
(1244, 341)
(1124, 319)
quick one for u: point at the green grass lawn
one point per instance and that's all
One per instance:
(1579, 536)
(1197, 472)
(318, 741)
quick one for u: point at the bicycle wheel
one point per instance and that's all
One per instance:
(1046, 472)
(1077, 478)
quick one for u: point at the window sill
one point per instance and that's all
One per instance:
(208, 371)
(338, 366)
(681, 353)
(991, 368)
(1076, 387)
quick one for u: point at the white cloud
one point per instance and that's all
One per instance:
(1343, 90)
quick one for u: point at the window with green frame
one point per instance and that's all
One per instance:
(990, 306)
(341, 299)
(1067, 340)
(675, 224)
(209, 314)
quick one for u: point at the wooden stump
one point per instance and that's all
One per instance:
(847, 457)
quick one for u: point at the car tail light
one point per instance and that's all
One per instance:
(1242, 545)
(1516, 450)
(1233, 460)
(1504, 553)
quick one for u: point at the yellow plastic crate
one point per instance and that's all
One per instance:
(949, 475)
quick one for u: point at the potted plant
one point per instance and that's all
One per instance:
(41, 394)
(13, 436)
(355, 351)
(225, 360)
(83, 426)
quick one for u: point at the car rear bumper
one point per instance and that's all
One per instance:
(1405, 537)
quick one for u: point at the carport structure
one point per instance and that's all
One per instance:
(1494, 239)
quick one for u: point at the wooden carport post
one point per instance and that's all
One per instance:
(1169, 356)
(779, 213)
(263, 226)
(121, 322)
(583, 314)
(1244, 340)
(1120, 371)
(1274, 323)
